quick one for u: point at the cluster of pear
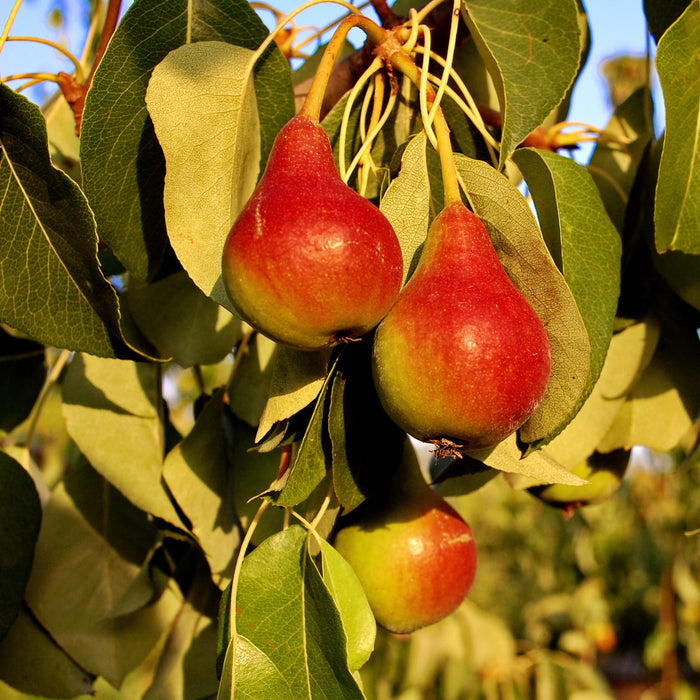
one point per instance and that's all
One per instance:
(460, 358)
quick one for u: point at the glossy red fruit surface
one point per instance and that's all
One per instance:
(462, 358)
(309, 262)
(414, 555)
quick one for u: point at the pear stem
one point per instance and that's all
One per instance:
(450, 180)
(314, 99)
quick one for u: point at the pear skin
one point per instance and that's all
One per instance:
(462, 360)
(412, 552)
(309, 262)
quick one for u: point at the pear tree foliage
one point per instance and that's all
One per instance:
(171, 478)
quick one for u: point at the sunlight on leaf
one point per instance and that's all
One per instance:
(202, 103)
(533, 50)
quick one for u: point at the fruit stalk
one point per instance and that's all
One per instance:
(450, 180)
(314, 99)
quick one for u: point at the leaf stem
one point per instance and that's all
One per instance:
(427, 9)
(33, 79)
(359, 85)
(237, 570)
(51, 379)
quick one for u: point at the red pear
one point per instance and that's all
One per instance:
(309, 262)
(412, 552)
(462, 359)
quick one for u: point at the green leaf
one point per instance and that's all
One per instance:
(34, 665)
(290, 616)
(583, 241)
(181, 322)
(184, 667)
(532, 49)
(89, 552)
(351, 601)
(614, 168)
(366, 444)
(202, 103)
(53, 288)
(22, 374)
(682, 272)
(249, 386)
(664, 404)
(64, 144)
(252, 676)
(20, 517)
(111, 409)
(123, 165)
(297, 378)
(406, 202)
(630, 352)
(252, 472)
(196, 471)
(537, 466)
(527, 260)
(677, 209)
(312, 458)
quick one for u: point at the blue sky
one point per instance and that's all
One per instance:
(617, 27)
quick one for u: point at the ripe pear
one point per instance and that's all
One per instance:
(412, 552)
(462, 360)
(309, 262)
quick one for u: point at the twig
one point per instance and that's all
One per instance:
(73, 91)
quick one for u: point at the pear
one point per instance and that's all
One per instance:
(412, 552)
(462, 359)
(309, 262)
(603, 472)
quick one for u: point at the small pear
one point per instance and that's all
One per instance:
(603, 472)
(309, 262)
(462, 360)
(412, 552)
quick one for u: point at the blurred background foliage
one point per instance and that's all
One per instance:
(601, 603)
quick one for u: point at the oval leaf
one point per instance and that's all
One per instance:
(20, 517)
(351, 601)
(92, 545)
(583, 241)
(202, 103)
(678, 190)
(53, 288)
(297, 379)
(181, 321)
(122, 162)
(106, 400)
(630, 352)
(196, 471)
(406, 202)
(538, 467)
(292, 619)
(533, 50)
